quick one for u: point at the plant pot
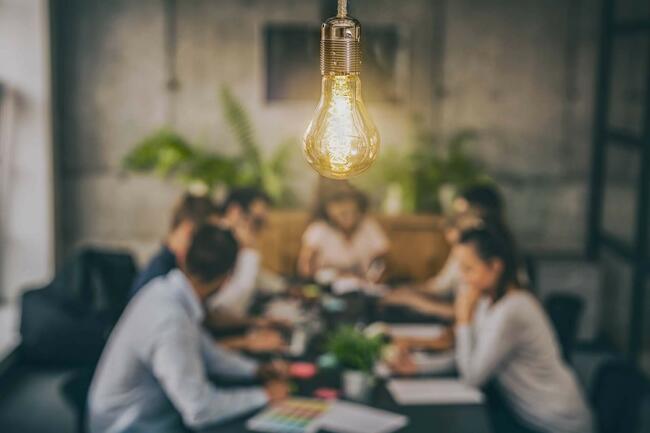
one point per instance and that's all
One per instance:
(446, 195)
(357, 385)
(393, 202)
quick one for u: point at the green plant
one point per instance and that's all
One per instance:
(269, 174)
(167, 154)
(161, 152)
(241, 127)
(393, 167)
(439, 162)
(423, 167)
(354, 350)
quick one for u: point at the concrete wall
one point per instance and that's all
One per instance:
(26, 205)
(522, 73)
(519, 71)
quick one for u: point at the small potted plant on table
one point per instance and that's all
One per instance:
(357, 354)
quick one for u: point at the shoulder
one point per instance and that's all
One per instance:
(163, 258)
(159, 265)
(158, 298)
(371, 227)
(371, 231)
(370, 223)
(316, 230)
(520, 306)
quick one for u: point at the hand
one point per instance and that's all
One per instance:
(376, 270)
(264, 340)
(276, 390)
(402, 363)
(271, 322)
(243, 231)
(465, 305)
(274, 370)
(405, 297)
(443, 342)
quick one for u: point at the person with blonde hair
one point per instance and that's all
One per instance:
(342, 236)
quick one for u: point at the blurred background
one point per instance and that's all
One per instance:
(547, 99)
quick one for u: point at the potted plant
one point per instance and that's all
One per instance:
(167, 154)
(442, 167)
(425, 173)
(357, 354)
(391, 182)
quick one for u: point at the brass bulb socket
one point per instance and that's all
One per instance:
(340, 46)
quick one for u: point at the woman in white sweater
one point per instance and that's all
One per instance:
(503, 334)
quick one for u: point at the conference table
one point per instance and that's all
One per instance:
(427, 418)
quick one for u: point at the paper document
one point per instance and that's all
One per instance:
(433, 391)
(346, 417)
(288, 310)
(428, 363)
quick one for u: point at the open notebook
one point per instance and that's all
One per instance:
(433, 391)
(301, 415)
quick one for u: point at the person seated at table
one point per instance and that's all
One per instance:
(153, 373)
(189, 212)
(245, 212)
(504, 336)
(342, 237)
(435, 297)
(472, 206)
(483, 199)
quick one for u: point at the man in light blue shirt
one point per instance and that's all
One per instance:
(153, 374)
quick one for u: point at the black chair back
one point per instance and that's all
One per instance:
(75, 393)
(618, 392)
(565, 311)
(68, 321)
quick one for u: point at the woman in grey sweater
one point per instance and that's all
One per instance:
(502, 333)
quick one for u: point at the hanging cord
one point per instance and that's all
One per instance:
(343, 8)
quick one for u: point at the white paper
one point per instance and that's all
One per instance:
(376, 290)
(434, 362)
(346, 417)
(408, 330)
(285, 309)
(345, 285)
(433, 391)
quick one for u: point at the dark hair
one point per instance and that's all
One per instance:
(192, 208)
(331, 191)
(493, 241)
(212, 253)
(245, 197)
(486, 199)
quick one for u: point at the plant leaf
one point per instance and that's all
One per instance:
(240, 125)
(161, 152)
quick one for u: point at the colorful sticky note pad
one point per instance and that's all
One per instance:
(302, 370)
(295, 415)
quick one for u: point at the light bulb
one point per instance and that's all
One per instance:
(341, 140)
